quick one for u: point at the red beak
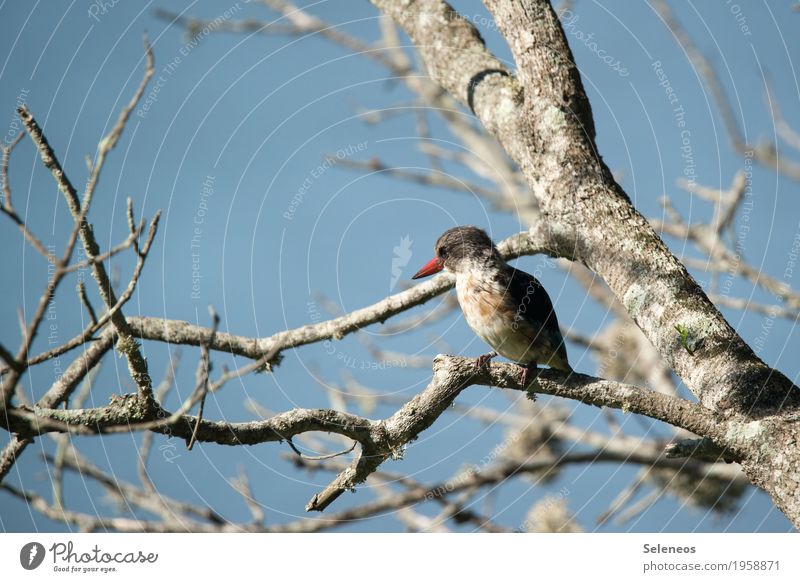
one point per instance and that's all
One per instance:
(433, 266)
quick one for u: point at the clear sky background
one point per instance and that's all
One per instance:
(253, 116)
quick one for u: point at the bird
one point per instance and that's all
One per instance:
(506, 307)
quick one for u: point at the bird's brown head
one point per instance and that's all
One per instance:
(459, 249)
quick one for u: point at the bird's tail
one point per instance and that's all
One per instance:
(559, 361)
(562, 365)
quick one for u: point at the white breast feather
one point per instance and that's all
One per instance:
(489, 318)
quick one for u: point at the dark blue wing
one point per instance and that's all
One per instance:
(531, 300)
(533, 306)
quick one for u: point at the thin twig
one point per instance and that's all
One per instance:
(110, 141)
(7, 206)
(203, 370)
(87, 303)
(242, 486)
(147, 439)
(320, 457)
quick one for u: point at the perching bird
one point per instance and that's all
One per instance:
(507, 308)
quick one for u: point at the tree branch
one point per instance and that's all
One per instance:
(58, 393)
(181, 332)
(383, 439)
(126, 344)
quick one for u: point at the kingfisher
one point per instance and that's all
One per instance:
(506, 307)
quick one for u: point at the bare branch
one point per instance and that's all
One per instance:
(132, 240)
(161, 392)
(381, 440)
(7, 206)
(434, 178)
(203, 370)
(86, 303)
(126, 343)
(242, 486)
(320, 457)
(58, 393)
(765, 152)
(110, 313)
(110, 141)
(704, 449)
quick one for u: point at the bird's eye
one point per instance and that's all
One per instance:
(442, 253)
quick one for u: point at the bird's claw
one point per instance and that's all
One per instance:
(484, 359)
(529, 374)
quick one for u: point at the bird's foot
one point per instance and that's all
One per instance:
(484, 359)
(529, 373)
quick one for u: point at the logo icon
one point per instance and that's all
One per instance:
(31, 555)
(402, 254)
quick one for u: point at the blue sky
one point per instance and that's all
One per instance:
(230, 143)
